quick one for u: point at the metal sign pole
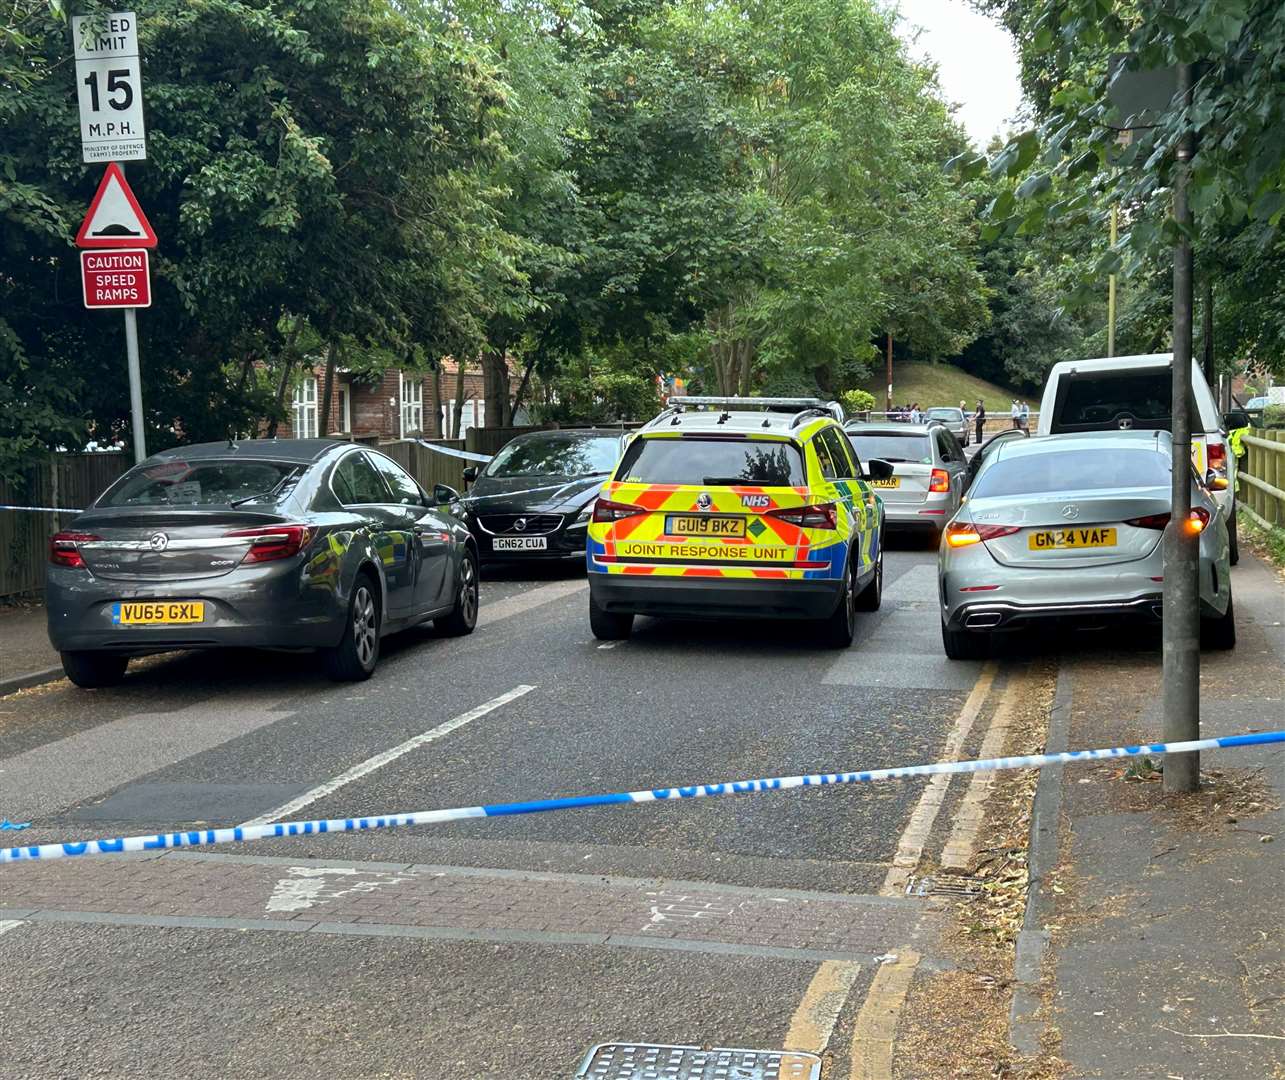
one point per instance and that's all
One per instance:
(135, 384)
(135, 379)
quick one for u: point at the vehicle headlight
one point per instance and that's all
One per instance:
(582, 518)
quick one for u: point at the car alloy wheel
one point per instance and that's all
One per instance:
(365, 627)
(468, 591)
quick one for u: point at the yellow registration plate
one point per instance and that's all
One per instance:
(158, 613)
(1056, 539)
(891, 482)
(703, 525)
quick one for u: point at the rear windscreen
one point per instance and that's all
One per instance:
(893, 447)
(197, 483)
(948, 416)
(1131, 399)
(1074, 469)
(711, 462)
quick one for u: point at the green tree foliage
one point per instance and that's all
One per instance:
(1067, 169)
(314, 163)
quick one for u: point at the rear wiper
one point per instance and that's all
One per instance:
(726, 481)
(271, 491)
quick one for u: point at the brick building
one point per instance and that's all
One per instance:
(393, 405)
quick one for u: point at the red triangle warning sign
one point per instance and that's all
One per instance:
(115, 219)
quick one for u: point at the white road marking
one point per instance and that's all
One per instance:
(10, 924)
(515, 605)
(380, 760)
(306, 885)
(610, 644)
(911, 844)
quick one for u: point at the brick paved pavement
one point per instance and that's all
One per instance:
(275, 893)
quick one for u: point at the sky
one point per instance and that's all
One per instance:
(977, 67)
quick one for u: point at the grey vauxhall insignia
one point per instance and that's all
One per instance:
(294, 544)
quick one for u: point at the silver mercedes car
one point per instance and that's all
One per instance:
(290, 544)
(1068, 528)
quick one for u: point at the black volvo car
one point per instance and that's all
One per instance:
(296, 544)
(533, 499)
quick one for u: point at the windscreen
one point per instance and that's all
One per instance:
(712, 462)
(1075, 469)
(555, 455)
(209, 482)
(893, 446)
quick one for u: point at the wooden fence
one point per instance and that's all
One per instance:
(427, 466)
(1261, 478)
(63, 480)
(490, 440)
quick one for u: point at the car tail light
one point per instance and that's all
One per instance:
(63, 550)
(818, 516)
(1150, 521)
(939, 481)
(964, 533)
(606, 510)
(273, 541)
(1218, 457)
(1196, 522)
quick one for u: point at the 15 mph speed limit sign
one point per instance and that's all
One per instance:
(109, 86)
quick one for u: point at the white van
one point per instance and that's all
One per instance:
(1136, 393)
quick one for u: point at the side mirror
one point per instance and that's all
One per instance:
(443, 493)
(1236, 418)
(1214, 482)
(470, 474)
(878, 469)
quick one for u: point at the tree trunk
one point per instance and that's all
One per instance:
(323, 412)
(522, 388)
(434, 429)
(495, 371)
(283, 384)
(457, 421)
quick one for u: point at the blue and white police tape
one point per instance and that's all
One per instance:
(203, 837)
(43, 509)
(450, 451)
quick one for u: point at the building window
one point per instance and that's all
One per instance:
(412, 395)
(472, 415)
(305, 409)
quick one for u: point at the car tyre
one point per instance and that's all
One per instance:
(357, 653)
(462, 618)
(610, 625)
(1233, 538)
(872, 595)
(964, 644)
(92, 670)
(1219, 632)
(838, 630)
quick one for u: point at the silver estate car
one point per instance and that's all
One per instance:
(953, 418)
(298, 543)
(1069, 528)
(929, 472)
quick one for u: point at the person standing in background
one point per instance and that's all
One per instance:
(1015, 414)
(980, 417)
(1026, 416)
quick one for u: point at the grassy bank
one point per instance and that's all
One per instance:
(1267, 543)
(940, 384)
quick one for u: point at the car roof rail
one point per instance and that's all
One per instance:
(728, 403)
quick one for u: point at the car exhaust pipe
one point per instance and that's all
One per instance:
(983, 620)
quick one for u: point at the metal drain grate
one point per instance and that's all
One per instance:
(648, 1061)
(954, 886)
